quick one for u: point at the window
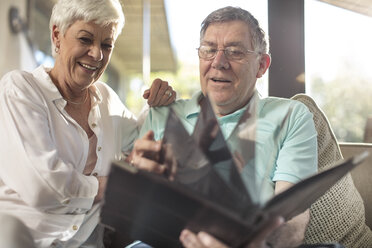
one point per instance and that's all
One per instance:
(338, 67)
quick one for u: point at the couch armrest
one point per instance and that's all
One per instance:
(362, 174)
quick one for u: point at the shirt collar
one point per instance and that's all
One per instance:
(194, 108)
(97, 96)
(47, 86)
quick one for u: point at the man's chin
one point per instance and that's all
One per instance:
(219, 100)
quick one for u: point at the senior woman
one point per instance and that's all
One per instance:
(60, 128)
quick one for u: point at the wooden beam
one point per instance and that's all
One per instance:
(286, 32)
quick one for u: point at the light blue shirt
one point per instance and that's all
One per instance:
(291, 157)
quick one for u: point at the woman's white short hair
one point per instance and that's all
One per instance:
(101, 12)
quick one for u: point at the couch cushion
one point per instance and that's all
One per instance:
(362, 174)
(338, 216)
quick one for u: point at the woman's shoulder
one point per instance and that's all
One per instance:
(14, 76)
(34, 86)
(21, 77)
(17, 80)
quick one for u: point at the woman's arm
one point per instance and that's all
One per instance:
(30, 163)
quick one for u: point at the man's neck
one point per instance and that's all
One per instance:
(224, 110)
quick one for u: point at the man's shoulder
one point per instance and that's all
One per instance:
(272, 100)
(157, 116)
(181, 107)
(281, 105)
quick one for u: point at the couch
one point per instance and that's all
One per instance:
(362, 175)
(339, 215)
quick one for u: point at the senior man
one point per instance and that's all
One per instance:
(233, 54)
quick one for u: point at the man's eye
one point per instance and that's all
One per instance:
(210, 50)
(235, 52)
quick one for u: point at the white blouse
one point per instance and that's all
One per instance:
(43, 152)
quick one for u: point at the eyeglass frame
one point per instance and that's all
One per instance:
(246, 51)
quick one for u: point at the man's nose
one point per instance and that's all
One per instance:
(220, 61)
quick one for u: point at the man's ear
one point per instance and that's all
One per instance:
(265, 61)
(56, 35)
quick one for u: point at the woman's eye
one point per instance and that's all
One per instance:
(85, 40)
(107, 46)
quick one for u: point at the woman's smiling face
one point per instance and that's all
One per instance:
(84, 52)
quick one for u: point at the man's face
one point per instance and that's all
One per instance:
(230, 83)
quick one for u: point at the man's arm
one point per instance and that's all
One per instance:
(291, 233)
(144, 157)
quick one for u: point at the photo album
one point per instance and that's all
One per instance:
(202, 189)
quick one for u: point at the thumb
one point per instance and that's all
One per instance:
(149, 135)
(146, 94)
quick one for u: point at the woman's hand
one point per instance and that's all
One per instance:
(159, 94)
(102, 181)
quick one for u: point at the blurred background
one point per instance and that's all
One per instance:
(330, 40)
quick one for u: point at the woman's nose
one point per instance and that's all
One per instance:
(96, 52)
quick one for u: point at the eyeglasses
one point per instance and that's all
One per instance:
(231, 53)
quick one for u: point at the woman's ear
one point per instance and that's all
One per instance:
(264, 64)
(56, 36)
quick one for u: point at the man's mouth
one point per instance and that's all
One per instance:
(89, 67)
(220, 80)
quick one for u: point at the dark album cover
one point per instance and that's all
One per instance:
(195, 195)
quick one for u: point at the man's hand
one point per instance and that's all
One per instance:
(205, 240)
(146, 154)
(153, 156)
(159, 94)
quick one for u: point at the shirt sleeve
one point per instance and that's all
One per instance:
(146, 124)
(29, 161)
(155, 120)
(297, 158)
(129, 130)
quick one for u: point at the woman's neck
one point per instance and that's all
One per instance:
(74, 97)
